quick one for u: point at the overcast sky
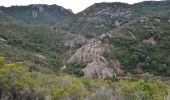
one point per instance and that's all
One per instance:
(74, 5)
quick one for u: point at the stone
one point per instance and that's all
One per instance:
(92, 50)
(157, 20)
(151, 40)
(98, 68)
(169, 20)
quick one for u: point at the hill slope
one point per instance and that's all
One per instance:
(140, 43)
(37, 44)
(103, 17)
(37, 14)
(111, 39)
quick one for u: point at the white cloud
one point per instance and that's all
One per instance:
(75, 5)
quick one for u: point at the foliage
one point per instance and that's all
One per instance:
(38, 44)
(16, 80)
(44, 14)
(145, 91)
(133, 52)
(112, 79)
(75, 69)
(17, 83)
(13, 79)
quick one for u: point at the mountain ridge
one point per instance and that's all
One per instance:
(103, 24)
(37, 13)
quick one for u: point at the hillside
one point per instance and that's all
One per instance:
(37, 14)
(103, 49)
(125, 48)
(149, 49)
(103, 17)
(40, 45)
(109, 51)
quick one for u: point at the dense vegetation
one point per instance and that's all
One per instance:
(152, 58)
(38, 44)
(36, 14)
(139, 41)
(103, 17)
(17, 83)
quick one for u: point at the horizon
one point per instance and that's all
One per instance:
(75, 5)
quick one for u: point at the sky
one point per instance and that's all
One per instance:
(74, 5)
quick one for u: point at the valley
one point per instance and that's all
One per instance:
(109, 51)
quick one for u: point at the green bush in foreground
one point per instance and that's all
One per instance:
(141, 90)
(17, 83)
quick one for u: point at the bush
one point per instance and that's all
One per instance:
(142, 90)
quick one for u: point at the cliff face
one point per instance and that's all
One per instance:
(97, 65)
(92, 50)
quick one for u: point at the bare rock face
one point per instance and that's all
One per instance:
(168, 58)
(97, 65)
(157, 20)
(36, 10)
(117, 23)
(99, 68)
(2, 39)
(92, 50)
(151, 40)
(169, 20)
(40, 56)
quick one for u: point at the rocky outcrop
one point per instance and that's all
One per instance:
(168, 58)
(97, 65)
(151, 40)
(39, 56)
(2, 39)
(169, 20)
(89, 52)
(37, 9)
(99, 68)
(157, 20)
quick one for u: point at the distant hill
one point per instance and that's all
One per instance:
(105, 39)
(36, 14)
(103, 17)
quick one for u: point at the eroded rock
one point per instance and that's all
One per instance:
(151, 40)
(3, 40)
(168, 58)
(87, 53)
(97, 65)
(37, 9)
(157, 20)
(99, 68)
(169, 20)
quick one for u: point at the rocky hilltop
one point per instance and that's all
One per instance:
(99, 18)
